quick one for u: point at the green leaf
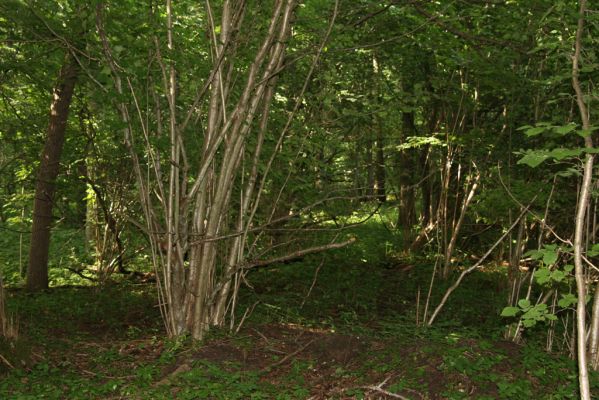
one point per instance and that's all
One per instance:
(510, 311)
(524, 304)
(568, 268)
(549, 257)
(561, 153)
(528, 323)
(524, 128)
(541, 307)
(562, 130)
(534, 254)
(542, 276)
(558, 275)
(534, 158)
(567, 300)
(535, 131)
(533, 313)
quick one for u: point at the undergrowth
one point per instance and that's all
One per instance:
(338, 325)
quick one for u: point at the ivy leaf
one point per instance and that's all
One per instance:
(510, 311)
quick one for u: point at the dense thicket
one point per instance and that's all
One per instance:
(205, 140)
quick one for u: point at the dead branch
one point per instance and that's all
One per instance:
(379, 389)
(475, 266)
(5, 361)
(288, 356)
(297, 254)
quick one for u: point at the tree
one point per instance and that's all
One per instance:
(37, 271)
(208, 173)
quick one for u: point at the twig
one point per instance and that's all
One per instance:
(379, 388)
(288, 356)
(313, 283)
(536, 217)
(247, 312)
(6, 362)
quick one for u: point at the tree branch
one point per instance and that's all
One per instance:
(297, 254)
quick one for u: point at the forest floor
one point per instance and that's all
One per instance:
(335, 326)
(350, 338)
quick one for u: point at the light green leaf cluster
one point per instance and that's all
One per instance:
(548, 254)
(534, 158)
(530, 314)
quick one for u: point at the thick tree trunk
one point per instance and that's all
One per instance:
(37, 272)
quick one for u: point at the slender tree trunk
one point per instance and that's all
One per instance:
(594, 336)
(583, 199)
(381, 193)
(457, 226)
(370, 180)
(37, 272)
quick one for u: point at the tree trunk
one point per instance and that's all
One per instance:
(370, 180)
(579, 222)
(407, 200)
(37, 272)
(381, 193)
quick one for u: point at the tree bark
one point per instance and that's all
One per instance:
(407, 200)
(37, 272)
(579, 222)
(381, 192)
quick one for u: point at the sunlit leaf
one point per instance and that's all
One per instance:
(510, 311)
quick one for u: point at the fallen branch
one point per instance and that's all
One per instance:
(379, 389)
(288, 356)
(385, 392)
(80, 273)
(5, 361)
(185, 367)
(297, 254)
